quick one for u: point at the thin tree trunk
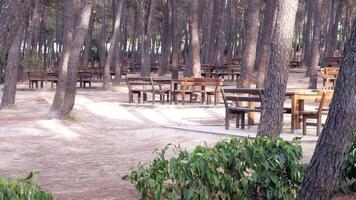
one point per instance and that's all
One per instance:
(31, 30)
(165, 38)
(194, 32)
(309, 6)
(331, 46)
(315, 48)
(102, 36)
(120, 47)
(207, 33)
(11, 70)
(63, 66)
(78, 40)
(113, 41)
(337, 135)
(267, 28)
(175, 40)
(271, 122)
(87, 43)
(220, 40)
(146, 24)
(251, 36)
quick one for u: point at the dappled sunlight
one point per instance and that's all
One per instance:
(57, 128)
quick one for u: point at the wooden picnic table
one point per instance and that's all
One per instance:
(297, 97)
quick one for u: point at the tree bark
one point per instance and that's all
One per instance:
(194, 32)
(315, 48)
(113, 41)
(87, 43)
(78, 40)
(251, 36)
(11, 70)
(63, 66)
(146, 24)
(331, 46)
(102, 36)
(337, 135)
(267, 28)
(165, 39)
(175, 39)
(271, 122)
(309, 7)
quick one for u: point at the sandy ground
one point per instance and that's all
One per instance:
(84, 157)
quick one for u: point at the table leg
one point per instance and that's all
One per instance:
(251, 115)
(295, 114)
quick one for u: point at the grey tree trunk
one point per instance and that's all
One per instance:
(267, 28)
(271, 122)
(309, 7)
(102, 36)
(315, 48)
(175, 39)
(251, 36)
(337, 135)
(120, 47)
(146, 24)
(207, 31)
(11, 70)
(63, 66)
(31, 29)
(78, 40)
(87, 43)
(194, 32)
(165, 39)
(220, 39)
(113, 41)
(331, 47)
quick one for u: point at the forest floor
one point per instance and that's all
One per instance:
(84, 157)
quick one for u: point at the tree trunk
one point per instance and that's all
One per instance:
(146, 24)
(207, 31)
(102, 36)
(31, 30)
(194, 32)
(87, 43)
(11, 70)
(271, 122)
(267, 28)
(78, 40)
(331, 46)
(309, 6)
(63, 66)
(165, 39)
(113, 41)
(120, 47)
(315, 48)
(175, 39)
(251, 36)
(330, 25)
(337, 135)
(220, 40)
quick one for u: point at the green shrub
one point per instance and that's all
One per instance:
(347, 179)
(232, 169)
(22, 189)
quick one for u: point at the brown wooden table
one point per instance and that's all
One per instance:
(297, 97)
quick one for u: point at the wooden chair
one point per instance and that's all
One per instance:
(35, 77)
(142, 87)
(324, 101)
(329, 75)
(233, 107)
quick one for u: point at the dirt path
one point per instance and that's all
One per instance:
(84, 158)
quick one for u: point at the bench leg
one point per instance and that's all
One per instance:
(242, 121)
(237, 121)
(227, 118)
(318, 126)
(304, 125)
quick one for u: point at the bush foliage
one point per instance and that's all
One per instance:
(232, 169)
(347, 181)
(22, 189)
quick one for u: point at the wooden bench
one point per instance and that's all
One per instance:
(234, 100)
(141, 87)
(329, 76)
(35, 77)
(324, 100)
(331, 61)
(192, 86)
